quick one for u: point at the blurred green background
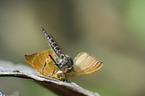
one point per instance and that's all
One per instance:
(111, 30)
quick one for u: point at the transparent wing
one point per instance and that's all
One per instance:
(37, 61)
(85, 64)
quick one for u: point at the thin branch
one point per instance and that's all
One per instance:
(8, 69)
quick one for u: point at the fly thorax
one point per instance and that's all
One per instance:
(63, 62)
(66, 63)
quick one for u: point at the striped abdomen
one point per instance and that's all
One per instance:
(52, 43)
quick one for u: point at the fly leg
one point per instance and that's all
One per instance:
(53, 60)
(66, 78)
(45, 65)
(52, 73)
(54, 63)
(43, 68)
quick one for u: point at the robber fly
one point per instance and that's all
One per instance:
(65, 62)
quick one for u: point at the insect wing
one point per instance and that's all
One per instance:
(29, 59)
(38, 60)
(85, 64)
